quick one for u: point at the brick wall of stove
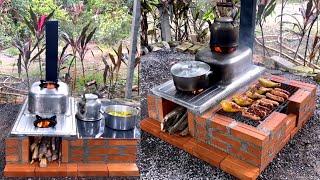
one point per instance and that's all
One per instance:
(99, 151)
(76, 150)
(254, 145)
(17, 150)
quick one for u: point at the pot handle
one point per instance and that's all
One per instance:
(208, 74)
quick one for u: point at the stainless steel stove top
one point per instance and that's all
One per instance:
(199, 103)
(66, 124)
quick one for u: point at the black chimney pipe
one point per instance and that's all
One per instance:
(52, 51)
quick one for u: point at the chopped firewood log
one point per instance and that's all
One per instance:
(171, 118)
(177, 125)
(43, 162)
(53, 143)
(33, 146)
(35, 154)
(49, 153)
(185, 132)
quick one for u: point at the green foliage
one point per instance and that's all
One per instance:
(91, 76)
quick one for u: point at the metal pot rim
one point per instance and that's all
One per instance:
(134, 111)
(201, 67)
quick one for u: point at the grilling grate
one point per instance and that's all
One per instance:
(283, 107)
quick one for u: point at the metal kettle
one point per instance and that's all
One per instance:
(89, 108)
(224, 33)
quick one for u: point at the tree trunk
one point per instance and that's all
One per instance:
(165, 24)
(133, 47)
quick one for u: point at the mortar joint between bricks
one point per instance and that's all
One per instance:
(244, 146)
(157, 101)
(265, 130)
(230, 126)
(20, 149)
(208, 123)
(85, 150)
(229, 147)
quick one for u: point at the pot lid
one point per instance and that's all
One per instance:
(189, 69)
(91, 96)
(224, 19)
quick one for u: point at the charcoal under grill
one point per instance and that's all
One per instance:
(281, 108)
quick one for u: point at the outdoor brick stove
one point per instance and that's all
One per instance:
(48, 139)
(79, 157)
(237, 148)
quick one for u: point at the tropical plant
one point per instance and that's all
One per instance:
(265, 8)
(35, 24)
(79, 47)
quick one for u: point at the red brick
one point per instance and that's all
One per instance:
(12, 142)
(77, 142)
(53, 170)
(103, 151)
(123, 142)
(12, 158)
(72, 169)
(249, 158)
(152, 107)
(219, 144)
(96, 158)
(255, 151)
(274, 121)
(121, 159)
(239, 169)
(175, 140)
(65, 150)
(294, 131)
(190, 145)
(191, 122)
(19, 170)
(221, 123)
(226, 139)
(76, 159)
(148, 126)
(25, 155)
(130, 150)
(209, 154)
(291, 121)
(96, 142)
(11, 150)
(77, 152)
(92, 170)
(249, 136)
(120, 169)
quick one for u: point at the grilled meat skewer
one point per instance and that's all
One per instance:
(258, 112)
(280, 94)
(282, 90)
(275, 98)
(250, 116)
(265, 104)
(275, 103)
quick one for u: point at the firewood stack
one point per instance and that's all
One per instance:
(176, 122)
(45, 150)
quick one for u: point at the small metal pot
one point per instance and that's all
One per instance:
(89, 108)
(190, 76)
(224, 33)
(121, 123)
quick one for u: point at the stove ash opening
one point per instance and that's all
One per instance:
(45, 150)
(42, 122)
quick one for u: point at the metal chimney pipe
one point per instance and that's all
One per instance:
(52, 51)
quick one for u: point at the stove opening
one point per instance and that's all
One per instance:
(45, 150)
(223, 50)
(42, 122)
(48, 84)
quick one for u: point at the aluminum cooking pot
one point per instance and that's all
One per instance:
(190, 75)
(120, 117)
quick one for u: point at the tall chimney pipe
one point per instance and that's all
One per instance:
(52, 51)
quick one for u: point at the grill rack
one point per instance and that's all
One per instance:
(283, 107)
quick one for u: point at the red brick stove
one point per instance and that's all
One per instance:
(237, 148)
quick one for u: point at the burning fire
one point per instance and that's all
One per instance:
(223, 50)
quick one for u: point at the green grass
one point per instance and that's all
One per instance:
(12, 51)
(89, 76)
